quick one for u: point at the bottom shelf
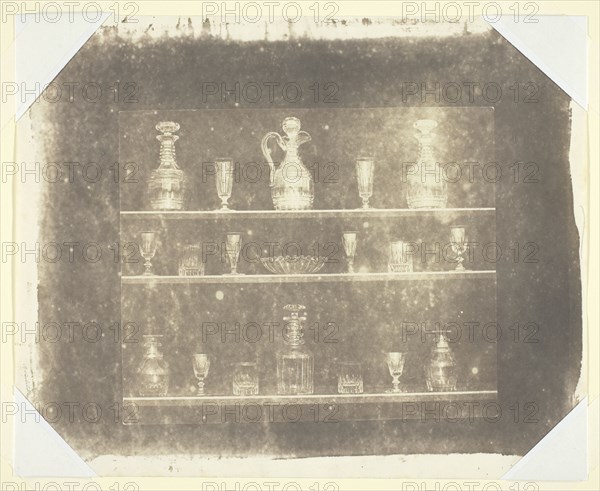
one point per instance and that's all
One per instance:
(435, 406)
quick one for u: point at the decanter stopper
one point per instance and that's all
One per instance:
(166, 184)
(294, 325)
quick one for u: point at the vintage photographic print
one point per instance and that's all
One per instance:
(293, 241)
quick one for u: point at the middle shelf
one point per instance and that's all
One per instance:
(442, 213)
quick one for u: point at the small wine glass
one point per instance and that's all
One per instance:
(364, 176)
(201, 367)
(233, 247)
(458, 240)
(395, 362)
(224, 177)
(148, 250)
(349, 243)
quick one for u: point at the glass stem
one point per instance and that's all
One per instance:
(350, 265)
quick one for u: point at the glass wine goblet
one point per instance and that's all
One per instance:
(395, 362)
(458, 241)
(364, 176)
(224, 177)
(201, 367)
(349, 243)
(233, 246)
(148, 250)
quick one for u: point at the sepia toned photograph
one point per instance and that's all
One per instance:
(314, 246)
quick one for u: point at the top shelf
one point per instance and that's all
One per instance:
(353, 213)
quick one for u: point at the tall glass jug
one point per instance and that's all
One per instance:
(291, 182)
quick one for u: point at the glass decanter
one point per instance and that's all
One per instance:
(153, 374)
(295, 363)
(440, 373)
(166, 184)
(427, 187)
(292, 186)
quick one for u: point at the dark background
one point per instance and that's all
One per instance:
(169, 74)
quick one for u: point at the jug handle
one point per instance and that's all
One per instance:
(267, 152)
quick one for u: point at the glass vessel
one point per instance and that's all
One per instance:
(350, 379)
(292, 186)
(245, 379)
(190, 261)
(399, 261)
(224, 178)
(201, 364)
(166, 184)
(440, 373)
(153, 373)
(395, 362)
(426, 186)
(295, 364)
(233, 247)
(349, 243)
(458, 241)
(364, 175)
(148, 250)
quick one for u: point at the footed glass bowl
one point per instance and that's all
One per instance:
(293, 264)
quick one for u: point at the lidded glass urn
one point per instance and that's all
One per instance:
(153, 374)
(295, 363)
(166, 184)
(427, 187)
(440, 373)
